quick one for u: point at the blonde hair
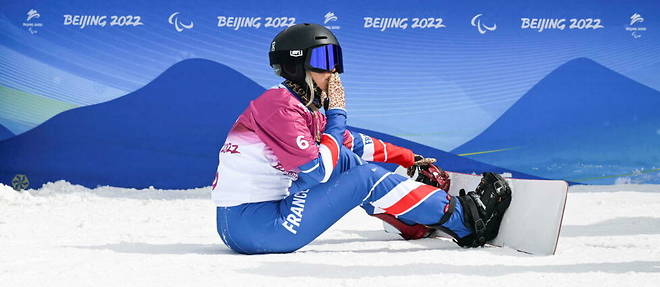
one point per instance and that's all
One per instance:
(310, 85)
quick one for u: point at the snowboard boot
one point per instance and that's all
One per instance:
(484, 208)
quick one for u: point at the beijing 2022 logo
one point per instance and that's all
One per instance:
(634, 28)
(32, 25)
(330, 17)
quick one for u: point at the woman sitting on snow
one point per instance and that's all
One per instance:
(287, 171)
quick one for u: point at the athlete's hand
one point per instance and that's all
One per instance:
(429, 173)
(420, 161)
(335, 93)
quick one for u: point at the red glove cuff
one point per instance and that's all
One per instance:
(399, 155)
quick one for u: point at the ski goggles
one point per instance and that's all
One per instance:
(325, 59)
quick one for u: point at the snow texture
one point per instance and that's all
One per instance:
(69, 235)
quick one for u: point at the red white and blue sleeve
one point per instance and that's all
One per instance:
(373, 149)
(332, 154)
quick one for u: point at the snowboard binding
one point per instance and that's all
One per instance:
(484, 208)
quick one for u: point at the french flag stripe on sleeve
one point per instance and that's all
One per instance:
(332, 145)
(348, 140)
(329, 150)
(379, 151)
(326, 159)
(404, 197)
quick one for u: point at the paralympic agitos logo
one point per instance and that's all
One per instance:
(178, 25)
(482, 28)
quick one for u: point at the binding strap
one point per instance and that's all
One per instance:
(479, 224)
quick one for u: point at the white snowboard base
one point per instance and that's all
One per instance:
(533, 220)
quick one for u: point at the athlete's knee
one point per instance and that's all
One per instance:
(348, 159)
(369, 170)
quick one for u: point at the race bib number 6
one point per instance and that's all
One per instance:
(302, 143)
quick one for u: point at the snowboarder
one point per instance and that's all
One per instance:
(288, 171)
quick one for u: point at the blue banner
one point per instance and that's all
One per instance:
(142, 93)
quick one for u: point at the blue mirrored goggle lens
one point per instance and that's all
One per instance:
(326, 57)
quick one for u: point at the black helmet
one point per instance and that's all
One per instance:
(305, 46)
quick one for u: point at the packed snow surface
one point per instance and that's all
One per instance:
(68, 235)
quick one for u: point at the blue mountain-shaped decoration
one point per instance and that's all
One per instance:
(5, 133)
(166, 134)
(582, 122)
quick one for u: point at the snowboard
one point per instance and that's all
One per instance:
(533, 221)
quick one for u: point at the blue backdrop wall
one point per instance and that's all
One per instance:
(142, 93)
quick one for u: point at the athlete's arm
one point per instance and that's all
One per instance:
(373, 149)
(286, 133)
(332, 154)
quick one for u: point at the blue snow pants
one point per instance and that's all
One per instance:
(287, 225)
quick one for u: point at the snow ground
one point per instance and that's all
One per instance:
(68, 235)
